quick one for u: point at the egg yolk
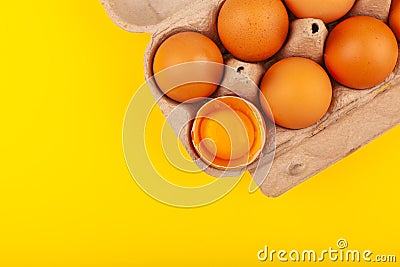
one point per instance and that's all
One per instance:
(228, 134)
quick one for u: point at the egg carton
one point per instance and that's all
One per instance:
(355, 117)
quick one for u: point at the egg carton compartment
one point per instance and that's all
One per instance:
(355, 117)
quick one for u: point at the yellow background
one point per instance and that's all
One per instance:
(67, 198)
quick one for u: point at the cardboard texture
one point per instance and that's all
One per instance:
(355, 117)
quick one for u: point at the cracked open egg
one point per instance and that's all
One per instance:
(229, 133)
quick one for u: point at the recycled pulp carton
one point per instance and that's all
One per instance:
(354, 119)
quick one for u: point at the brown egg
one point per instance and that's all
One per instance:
(229, 133)
(298, 92)
(188, 66)
(394, 18)
(361, 52)
(325, 10)
(253, 30)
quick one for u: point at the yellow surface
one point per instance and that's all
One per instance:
(67, 198)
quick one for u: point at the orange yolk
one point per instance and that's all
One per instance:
(228, 132)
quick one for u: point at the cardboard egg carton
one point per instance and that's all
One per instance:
(354, 119)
